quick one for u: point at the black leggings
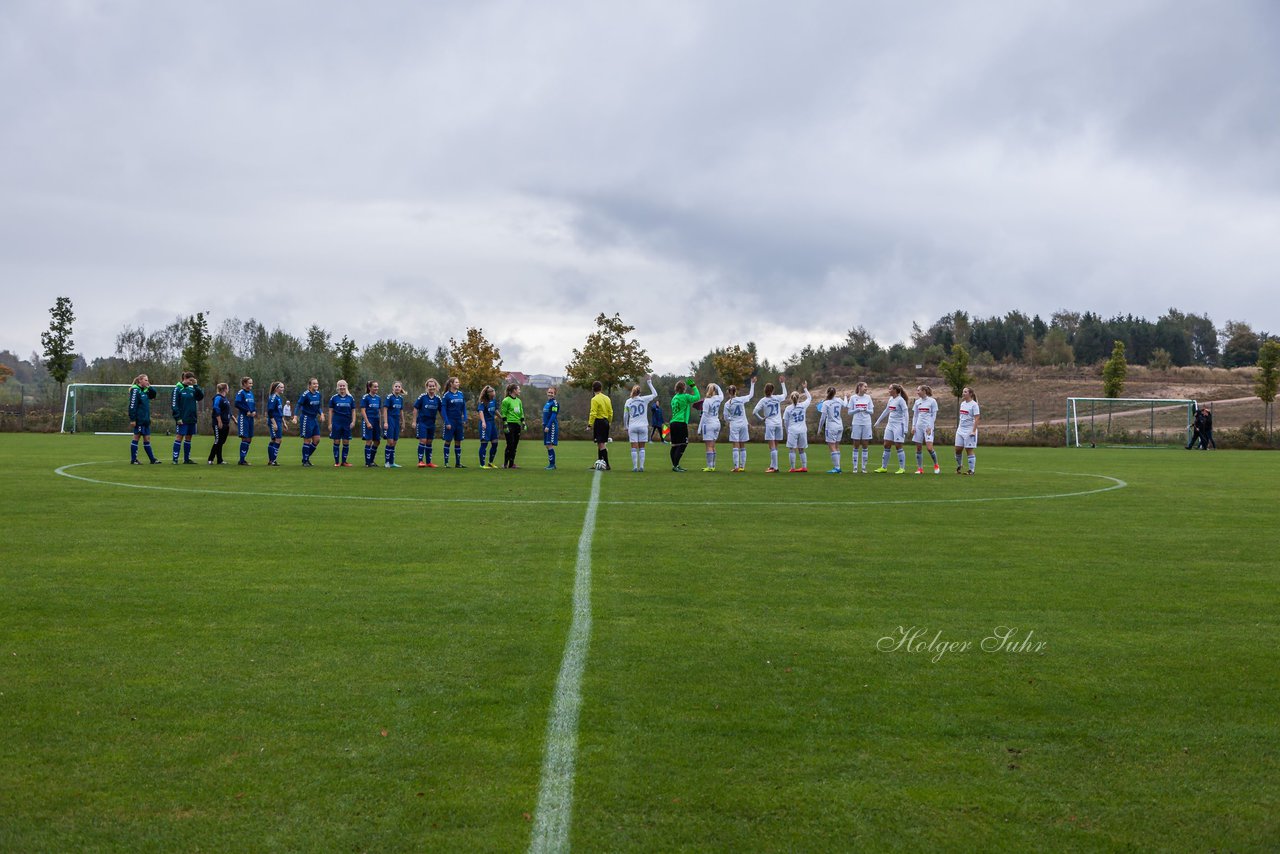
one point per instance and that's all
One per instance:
(679, 440)
(219, 439)
(513, 439)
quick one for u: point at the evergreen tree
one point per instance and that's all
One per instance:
(59, 353)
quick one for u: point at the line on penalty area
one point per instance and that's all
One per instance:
(1113, 484)
(555, 791)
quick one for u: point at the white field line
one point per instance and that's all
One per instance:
(554, 812)
(1114, 483)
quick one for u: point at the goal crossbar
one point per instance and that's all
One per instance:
(1091, 407)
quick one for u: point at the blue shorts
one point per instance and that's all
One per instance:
(185, 429)
(427, 430)
(551, 435)
(244, 426)
(276, 428)
(343, 432)
(393, 430)
(142, 429)
(308, 426)
(453, 430)
(490, 431)
(371, 433)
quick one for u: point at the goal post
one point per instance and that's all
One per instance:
(101, 408)
(1129, 421)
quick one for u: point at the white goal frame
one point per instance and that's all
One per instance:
(1088, 407)
(68, 405)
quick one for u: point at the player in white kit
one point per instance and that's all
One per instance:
(635, 414)
(925, 416)
(861, 408)
(967, 429)
(897, 411)
(709, 424)
(735, 412)
(797, 430)
(831, 425)
(769, 409)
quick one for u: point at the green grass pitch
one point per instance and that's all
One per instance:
(198, 658)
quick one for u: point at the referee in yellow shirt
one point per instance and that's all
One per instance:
(601, 415)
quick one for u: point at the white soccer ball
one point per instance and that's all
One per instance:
(599, 465)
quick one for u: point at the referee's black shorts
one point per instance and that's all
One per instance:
(600, 430)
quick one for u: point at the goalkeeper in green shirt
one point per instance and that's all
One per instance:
(680, 405)
(512, 414)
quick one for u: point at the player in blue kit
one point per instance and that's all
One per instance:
(275, 421)
(246, 411)
(371, 422)
(221, 423)
(392, 409)
(428, 406)
(140, 396)
(551, 427)
(342, 409)
(487, 410)
(308, 419)
(455, 420)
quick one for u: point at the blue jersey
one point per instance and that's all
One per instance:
(455, 407)
(309, 404)
(372, 406)
(551, 413)
(428, 407)
(394, 405)
(343, 406)
(245, 402)
(222, 410)
(275, 408)
(489, 409)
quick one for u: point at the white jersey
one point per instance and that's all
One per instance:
(830, 423)
(896, 411)
(735, 409)
(635, 412)
(735, 412)
(794, 415)
(969, 413)
(770, 408)
(861, 408)
(711, 406)
(925, 413)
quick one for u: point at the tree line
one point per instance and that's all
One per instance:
(611, 355)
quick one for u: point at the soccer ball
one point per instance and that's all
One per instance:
(599, 465)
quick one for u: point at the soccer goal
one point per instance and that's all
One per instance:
(101, 408)
(1129, 421)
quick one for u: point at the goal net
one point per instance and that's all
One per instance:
(100, 408)
(1129, 421)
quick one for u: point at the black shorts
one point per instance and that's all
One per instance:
(600, 430)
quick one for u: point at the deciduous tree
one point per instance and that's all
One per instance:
(608, 356)
(475, 361)
(956, 370)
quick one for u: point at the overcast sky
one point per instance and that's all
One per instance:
(717, 172)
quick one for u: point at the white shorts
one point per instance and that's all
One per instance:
(895, 433)
(638, 434)
(709, 429)
(772, 431)
(922, 434)
(860, 431)
(966, 440)
(739, 431)
(835, 432)
(798, 439)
